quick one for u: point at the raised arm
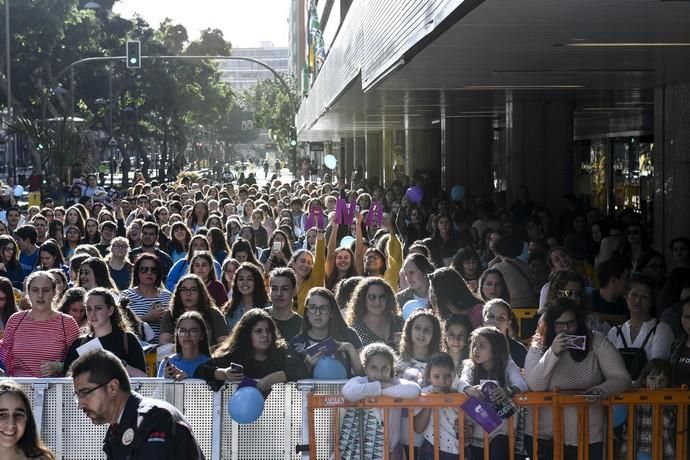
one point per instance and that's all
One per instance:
(332, 244)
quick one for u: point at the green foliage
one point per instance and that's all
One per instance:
(270, 104)
(172, 98)
(57, 143)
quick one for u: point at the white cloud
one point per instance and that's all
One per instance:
(244, 23)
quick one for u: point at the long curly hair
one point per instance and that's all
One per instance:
(406, 345)
(357, 307)
(259, 296)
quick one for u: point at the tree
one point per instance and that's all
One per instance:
(272, 109)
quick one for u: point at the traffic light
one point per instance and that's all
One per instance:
(293, 137)
(133, 54)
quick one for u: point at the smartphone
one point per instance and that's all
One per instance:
(277, 246)
(576, 342)
(237, 367)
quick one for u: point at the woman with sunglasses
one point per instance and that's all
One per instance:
(147, 296)
(191, 295)
(191, 348)
(109, 326)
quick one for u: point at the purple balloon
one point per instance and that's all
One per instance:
(415, 194)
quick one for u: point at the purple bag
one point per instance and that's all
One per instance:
(483, 413)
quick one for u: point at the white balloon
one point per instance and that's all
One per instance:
(330, 161)
(346, 242)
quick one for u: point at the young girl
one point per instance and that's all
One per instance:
(202, 266)
(457, 329)
(322, 320)
(191, 347)
(18, 425)
(490, 360)
(379, 364)
(421, 338)
(497, 313)
(440, 372)
(248, 291)
(655, 375)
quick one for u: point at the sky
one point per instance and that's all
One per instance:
(245, 23)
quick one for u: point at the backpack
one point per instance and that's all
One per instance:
(635, 358)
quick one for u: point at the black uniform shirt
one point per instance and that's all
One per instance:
(152, 430)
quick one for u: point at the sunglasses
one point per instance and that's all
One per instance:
(148, 269)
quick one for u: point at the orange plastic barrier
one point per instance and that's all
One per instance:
(557, 401)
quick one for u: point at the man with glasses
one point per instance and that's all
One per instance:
(149, 238)
(140, 428)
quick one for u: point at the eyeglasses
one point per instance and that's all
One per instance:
(143, 269)
(190, 332)
(565, 324)
(570, 293)
(83, 394)
(185, 290)
(317, 309)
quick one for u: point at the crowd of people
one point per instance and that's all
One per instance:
(414, 295)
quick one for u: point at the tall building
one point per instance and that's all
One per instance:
(242, 75)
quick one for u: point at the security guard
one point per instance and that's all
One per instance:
(140, 428)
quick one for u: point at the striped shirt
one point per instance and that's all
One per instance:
(142, 305)
(29, 343)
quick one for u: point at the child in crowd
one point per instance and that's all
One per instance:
(655, 375)
(457, 329)
(490, 360)
(191, 347)
(421, 338)
(378, 360)
(440, 372)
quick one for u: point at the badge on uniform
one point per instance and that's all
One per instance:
(156, 436)
(127, 437)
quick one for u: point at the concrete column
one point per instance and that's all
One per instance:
(347, 161)
(388, 157)
(671, 162)
(373, 143)
(539, 148)
(359, 152)
(468, 159)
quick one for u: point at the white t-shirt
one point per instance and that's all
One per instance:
(658, 345)
(447, 436)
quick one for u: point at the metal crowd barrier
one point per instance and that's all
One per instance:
(302, 419)
(276, 435)
(324, 444)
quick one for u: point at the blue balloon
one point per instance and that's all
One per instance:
(457, 193)
(410, 306)
(246, 405)
(620, 415)
(643, 456)
(328, 368)
(415, 194)
(346, 242)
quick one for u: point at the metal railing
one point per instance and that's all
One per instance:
(328, 406)
(303, 418)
